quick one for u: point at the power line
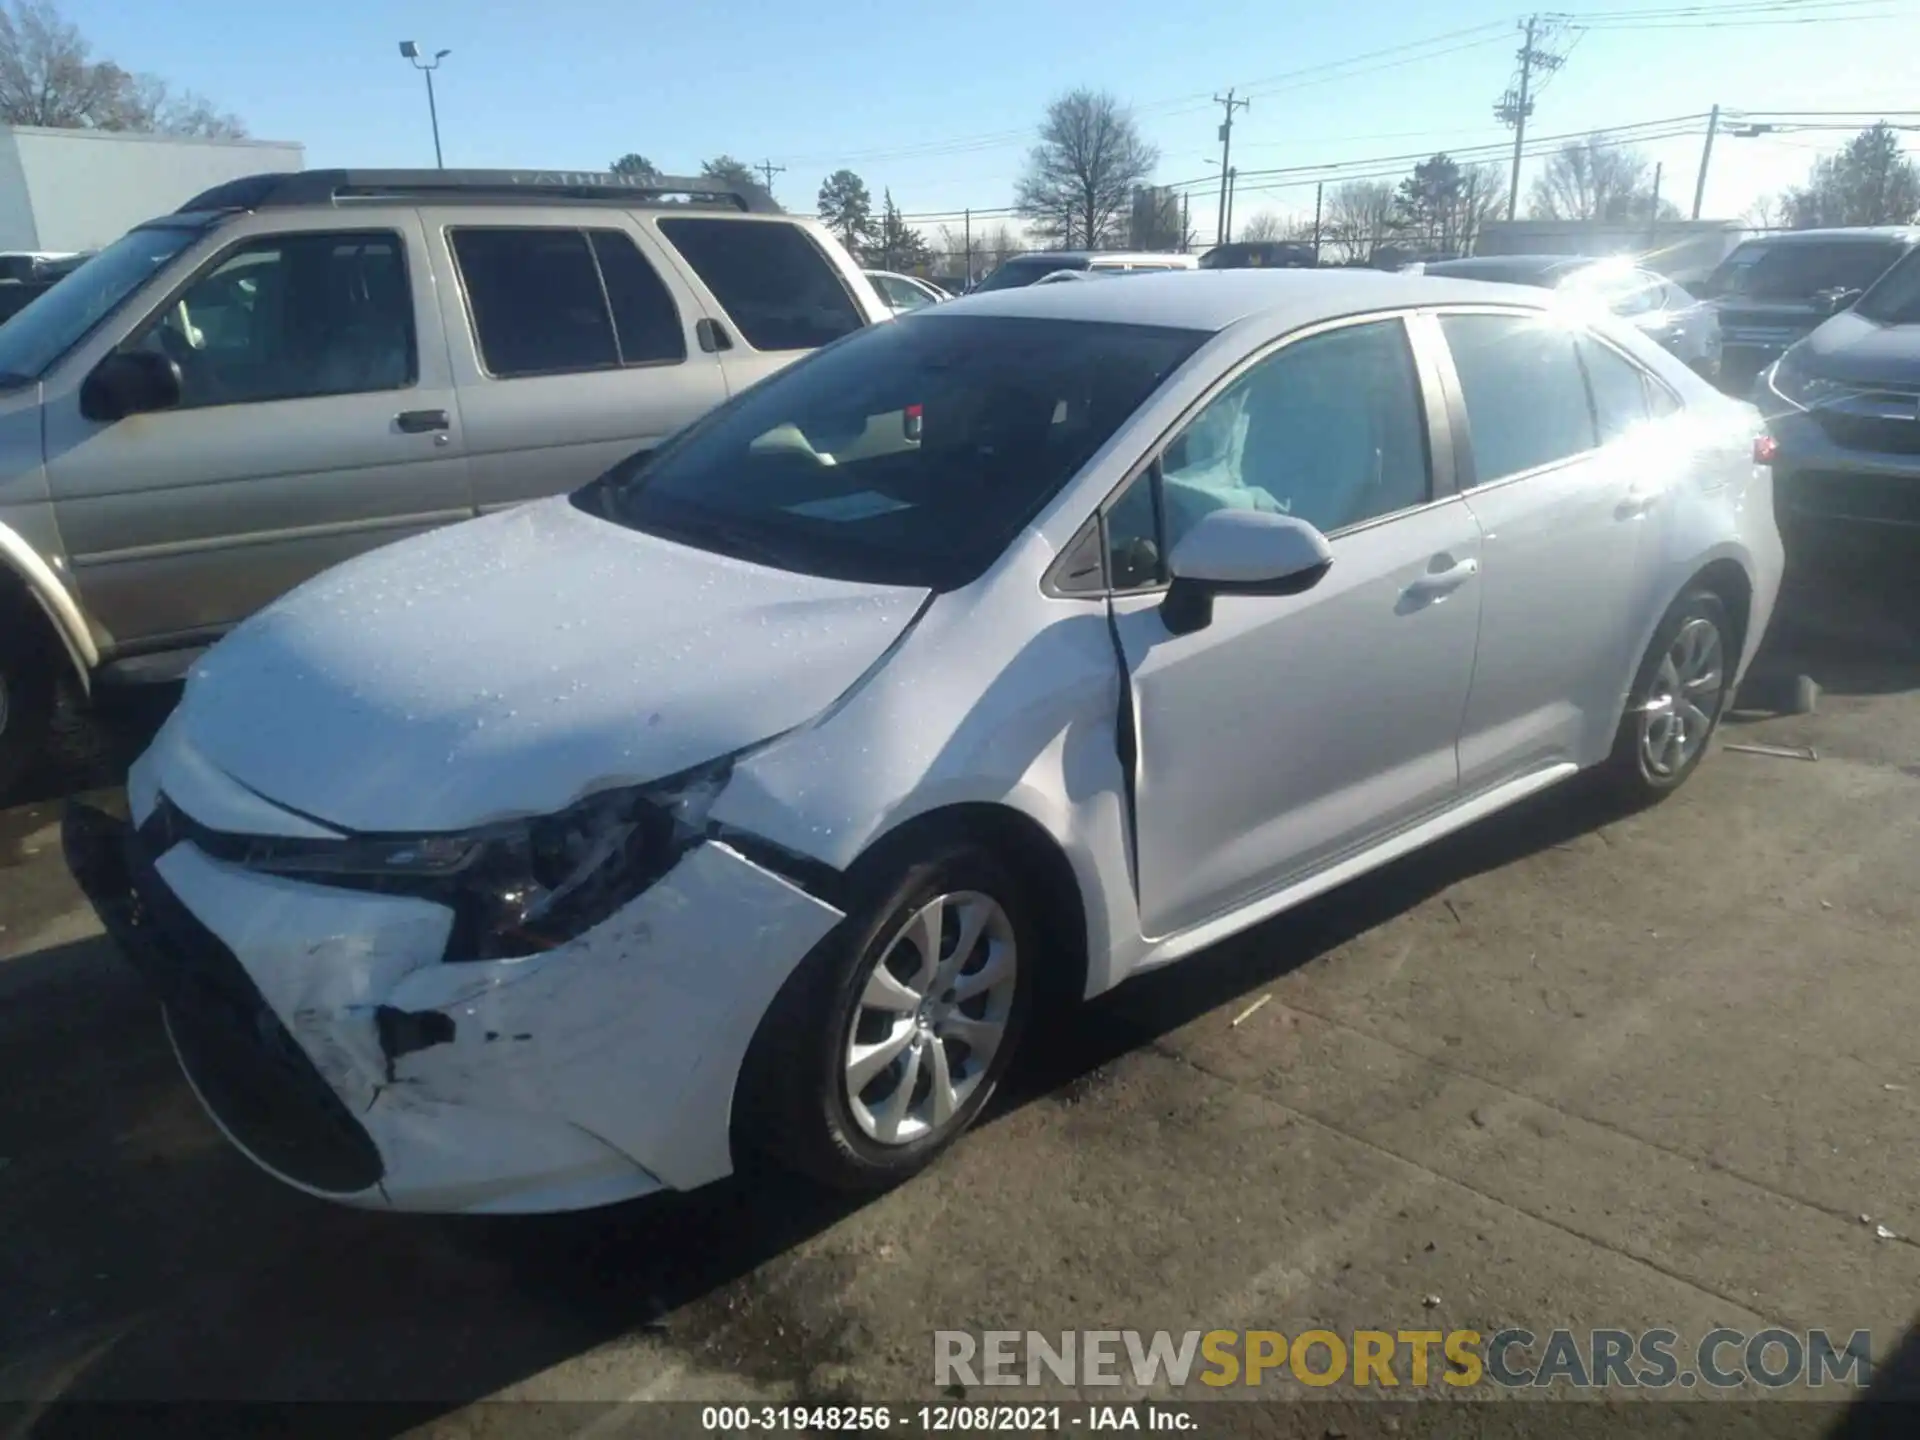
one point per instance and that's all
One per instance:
(1514, 107)
(769, 169)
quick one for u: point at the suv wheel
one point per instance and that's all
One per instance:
(889, 1038)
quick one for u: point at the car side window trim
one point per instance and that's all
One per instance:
(1435, 421)
(586, 233)
(264, 241)
(1464, 457)
(157, 312)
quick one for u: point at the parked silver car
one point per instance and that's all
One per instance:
(298, 367)
(1654, 305)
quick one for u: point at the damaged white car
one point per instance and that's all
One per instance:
(752, 797)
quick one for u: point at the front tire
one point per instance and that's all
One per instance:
(888, 1040)
(27, 692)
(1676, 701)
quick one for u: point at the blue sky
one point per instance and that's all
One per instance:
(938, 103)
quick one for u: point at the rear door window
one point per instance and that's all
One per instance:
(1525, 394)
(1619, 389)
(554, 301)
(776, 285)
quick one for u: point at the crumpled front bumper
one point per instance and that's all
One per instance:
(331, 1040)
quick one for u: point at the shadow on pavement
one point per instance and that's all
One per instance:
(1848, 613)
(147, 1261)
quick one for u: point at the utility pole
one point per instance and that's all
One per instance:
(1706, 154)
(1186, 221)
(1232, 175)
(1653, 217)
(1517, 104)
(1319, 190)
(1226, 159)
(966, 230)
(769, 169)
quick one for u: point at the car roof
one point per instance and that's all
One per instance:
(1474, 264)
(1906, 233)
(1211, 300)
(1055, 257)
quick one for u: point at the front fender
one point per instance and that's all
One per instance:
(55, 599)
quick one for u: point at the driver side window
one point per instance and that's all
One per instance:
(1329, 429)
(291, 316)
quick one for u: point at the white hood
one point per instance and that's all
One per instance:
(509, 665)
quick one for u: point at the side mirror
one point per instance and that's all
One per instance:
(1240, 552)
(129, 382)
(1832, 302)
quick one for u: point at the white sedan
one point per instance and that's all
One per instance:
(752, 798)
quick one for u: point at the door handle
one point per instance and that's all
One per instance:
(1636, 504)
(1444, 582)
(419, 422)
(713, 336)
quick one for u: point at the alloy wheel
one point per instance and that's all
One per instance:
(931, 1014)
(1684, 699)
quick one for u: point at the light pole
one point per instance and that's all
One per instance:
(411, 51)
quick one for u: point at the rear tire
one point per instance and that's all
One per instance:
(876, 1056)
(1677, 699)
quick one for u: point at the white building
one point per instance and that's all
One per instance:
(68, 190)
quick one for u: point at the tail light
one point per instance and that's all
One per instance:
(1765, 447)
(911, 422)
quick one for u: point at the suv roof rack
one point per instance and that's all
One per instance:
(282, 189)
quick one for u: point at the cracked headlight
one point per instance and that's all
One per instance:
(525, 885)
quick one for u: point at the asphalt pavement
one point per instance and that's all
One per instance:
(1567, 1069)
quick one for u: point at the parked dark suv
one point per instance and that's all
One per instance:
(1843, 407)
(1776, 288)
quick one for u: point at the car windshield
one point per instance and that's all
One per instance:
(909, 454)
(1895, 297)
(1026, 269)
(64, 315)
(1787, 271)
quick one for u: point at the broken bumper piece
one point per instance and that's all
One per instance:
(335, 1044)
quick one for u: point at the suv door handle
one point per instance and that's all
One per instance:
(712, 336)
(1636, 504)
(418, 422)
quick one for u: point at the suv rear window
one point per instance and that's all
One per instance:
(551, 301)
(780, 290)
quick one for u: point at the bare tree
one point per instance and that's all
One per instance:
(1078, 186)
(1591, 180)
(1766, 213)
(1358, 220)
(48, 77)
(1266, 226)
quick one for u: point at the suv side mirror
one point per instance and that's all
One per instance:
(129, 382)
(1240, 552)
(1832, 302)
